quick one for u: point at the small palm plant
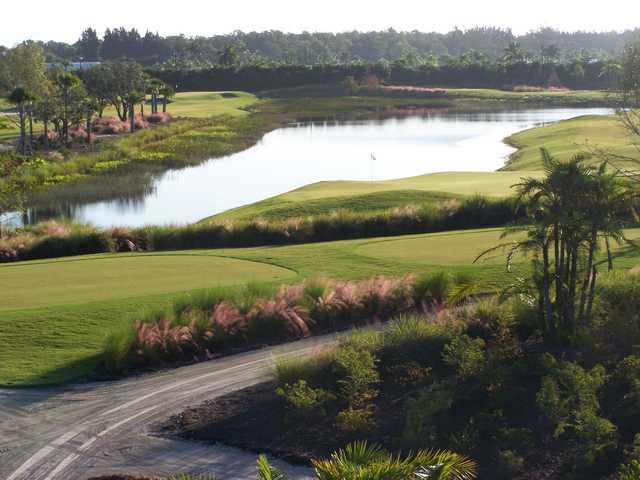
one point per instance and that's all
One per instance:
(266, 471)
(363, 461)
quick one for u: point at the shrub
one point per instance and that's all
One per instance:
(305, 401)
(466, 355)
(314, 370)
(359, 420)
(629, 471)
(615, 326)
(421, 427)
(432, 291)
(510, 464)
(355, 371)
(568, 398)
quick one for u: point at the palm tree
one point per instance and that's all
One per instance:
(153, 88)
(571, 211)
(611, 71)
(21, 98)
(132, 100)
(362, 461)
(514, 54)
(66, 82)
(167, 92)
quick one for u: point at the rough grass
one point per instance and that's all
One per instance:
(322, 197)
(60, 342)
(565, 98)
(569, 137)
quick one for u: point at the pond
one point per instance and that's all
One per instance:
(299, 154)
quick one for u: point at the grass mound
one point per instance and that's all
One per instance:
(566, 138)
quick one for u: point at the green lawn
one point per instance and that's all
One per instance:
(206, 104)
(569, 137)
(322, 197)
(57, 313)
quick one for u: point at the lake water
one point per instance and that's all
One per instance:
(300, 154)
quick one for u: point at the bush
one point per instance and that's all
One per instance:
(421, 427)
(615, 329)
(355, 371)
(304, 401)
(356, 420)
(466, 355)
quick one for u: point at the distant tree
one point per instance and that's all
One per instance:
(549, 54)
(111, 83)
(167, 92)
(229, 55)
(611, 71)
(24, 66)
(46, 108)
(514, 54)
(68, 86)
(88, 46)
(133, 99)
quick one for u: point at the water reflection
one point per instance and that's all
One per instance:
(378, 148)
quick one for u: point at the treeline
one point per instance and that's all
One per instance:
(238, 48)
(574, 75)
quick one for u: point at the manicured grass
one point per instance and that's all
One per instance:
(46, 339)
(567, 138)
(204, 104)
(103, 277)
(322, 197)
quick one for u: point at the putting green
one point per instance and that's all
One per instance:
(100, 277)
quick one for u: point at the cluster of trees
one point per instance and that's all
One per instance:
(580, 74)
(63, 100)
(240, 48)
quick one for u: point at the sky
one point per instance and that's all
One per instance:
(63, 21)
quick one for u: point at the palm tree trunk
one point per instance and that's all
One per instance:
(164, 104)
(29, 113)
(609, 256)
(88, 129)
(587, 278)
(132, 118)
(592, 293)
(23, 130)
(546, 291)
(45, 139)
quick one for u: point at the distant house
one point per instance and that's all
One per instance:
(75, 66)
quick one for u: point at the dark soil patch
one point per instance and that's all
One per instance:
(255, 419)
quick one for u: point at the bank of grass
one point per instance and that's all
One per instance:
(575, 98)
(62, 342)
(366, 197)
(565, 139)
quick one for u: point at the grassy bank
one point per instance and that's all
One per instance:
(61, 342)
(566, 138)
(574, 98)
(366, 197)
